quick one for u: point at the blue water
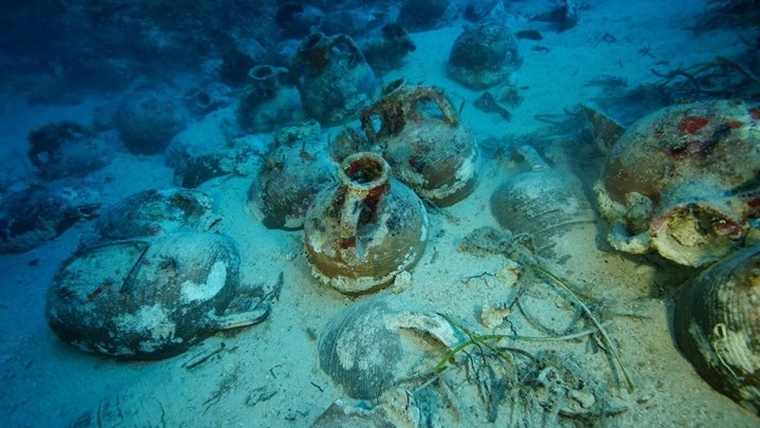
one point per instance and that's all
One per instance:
(104, 100)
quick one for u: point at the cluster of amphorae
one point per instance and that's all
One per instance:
(156, 277)
(365, 221)
(210, 131)
(681, 182)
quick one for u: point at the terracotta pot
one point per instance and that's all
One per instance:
(434, 155)
(153, 299)
(295, 170)
(375, 345)
(332, 77)
(266, 103)
(683, 182)
(67, 149)
(363, 232)
(717, 326)
(33, 215)
(546, 203)
(157, 212)
(483, 56)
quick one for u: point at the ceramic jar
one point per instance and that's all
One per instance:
(424, 142)
(484, 55)
(682, 181)
(367, 229)
(139, 299)
(333, 77)
(294, 171)
(267, 101)
(717, 326)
